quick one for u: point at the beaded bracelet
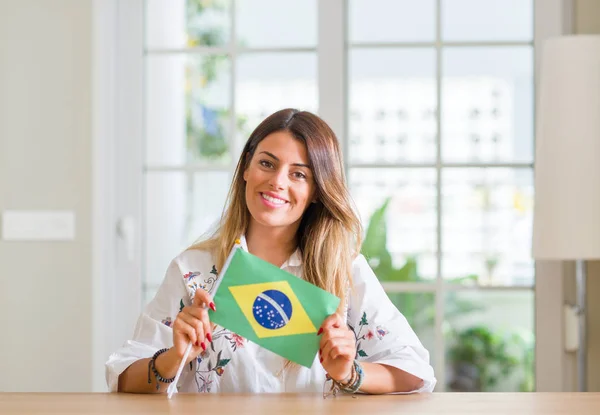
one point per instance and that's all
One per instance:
(152, 368)
(351, 379)
(356, 381)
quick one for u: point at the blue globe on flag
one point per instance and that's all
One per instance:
(272, 309)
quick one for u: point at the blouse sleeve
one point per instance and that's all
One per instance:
(383, 334)
(153, 329)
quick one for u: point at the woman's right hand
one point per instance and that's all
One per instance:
(192, 324)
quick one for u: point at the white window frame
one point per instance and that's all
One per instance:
(118, 177)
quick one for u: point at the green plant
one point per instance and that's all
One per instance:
(477, 355)
(375, 250)
(206, 134)
(199, 33)
(418, 308)
(480, 357)
(526, 342)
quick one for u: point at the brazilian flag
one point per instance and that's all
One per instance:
(271, 307)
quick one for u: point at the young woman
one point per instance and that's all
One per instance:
(289, 205)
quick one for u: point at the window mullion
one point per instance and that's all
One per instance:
(235, 146)
(440, 361)
(331, 53)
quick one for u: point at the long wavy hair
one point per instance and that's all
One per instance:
(329, 235)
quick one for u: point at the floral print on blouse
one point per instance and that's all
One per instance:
(233, 364)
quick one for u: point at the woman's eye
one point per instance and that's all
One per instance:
(266, 163)
(299, 175)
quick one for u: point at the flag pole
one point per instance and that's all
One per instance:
(173, 386)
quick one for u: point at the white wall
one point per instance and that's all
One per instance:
(45, 163)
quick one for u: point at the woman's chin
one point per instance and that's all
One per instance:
(273, 221)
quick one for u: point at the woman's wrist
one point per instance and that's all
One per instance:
(352, 383)
(167, 363)
(344, 380)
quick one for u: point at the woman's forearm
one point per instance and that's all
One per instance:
(386, 379)
(135, 378)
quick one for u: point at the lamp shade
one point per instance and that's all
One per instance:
(566, 222)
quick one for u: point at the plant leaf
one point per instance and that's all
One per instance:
(374, 247)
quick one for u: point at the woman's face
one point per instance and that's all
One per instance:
(279, 182)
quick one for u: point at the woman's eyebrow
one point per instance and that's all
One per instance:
(277, 159)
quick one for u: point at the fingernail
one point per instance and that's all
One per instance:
(319, 352)
(197, 343)
(212, 306)
(209, 337)
(320, 331)
(203, 346)
(321, 360)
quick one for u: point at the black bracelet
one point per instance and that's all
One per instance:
(157, 375)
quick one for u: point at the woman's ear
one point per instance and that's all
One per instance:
(315, 196)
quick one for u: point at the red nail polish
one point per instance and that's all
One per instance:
(203, 346)
(321, 360)
(212, 306)
(319, 352)
(197, 343)
(209, 337)
(320, 331)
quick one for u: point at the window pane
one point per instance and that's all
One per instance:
(392, 20)
(487, 20)
(181, 23)
(487, 104)
(486, 226)
(392, 105)
(400, 241)
(179, 209)
(419, 310)
(276, 23)
(490, 341)
(187, 109)
(267, 82)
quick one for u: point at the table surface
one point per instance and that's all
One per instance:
(447, 403)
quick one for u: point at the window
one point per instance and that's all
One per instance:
(213, 71)
(436, 123)
(440, 128)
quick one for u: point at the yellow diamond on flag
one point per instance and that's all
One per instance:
(272, 309)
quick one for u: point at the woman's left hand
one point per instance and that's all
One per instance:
(337, 348)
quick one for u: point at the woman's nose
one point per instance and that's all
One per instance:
(278, 179)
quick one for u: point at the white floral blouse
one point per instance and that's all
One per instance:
(233, 364)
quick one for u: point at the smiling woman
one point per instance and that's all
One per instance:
(289, 205)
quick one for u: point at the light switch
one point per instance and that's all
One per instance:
(38, 225)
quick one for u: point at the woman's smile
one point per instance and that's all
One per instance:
(272, 201)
